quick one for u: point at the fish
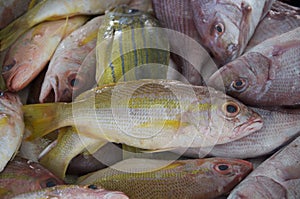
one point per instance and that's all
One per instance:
(148, 114)
(266, 75)
(30, 54)
(225, 27)
(280, 19)
(11, 126)
(277, 177)
(22, 175)
(72, 192)
(53, 10)
(150, 178)
(61, 74)
(12, 9)
(279, 128)
(131, 45)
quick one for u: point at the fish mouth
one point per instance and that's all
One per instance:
(253, 124)
(49, 90)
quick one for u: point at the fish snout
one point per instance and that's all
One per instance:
(232, 52)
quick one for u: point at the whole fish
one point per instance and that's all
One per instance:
(225, 27)
(62, 70)
(195, 178)
(52, 10)
(72, 192)
(279, 127)
(266, 75)
(12, 9)
(148, 114)
(280, 19)
(22, 175)
(29, 55)
(131, 45)
(11, 126)
(277, 177)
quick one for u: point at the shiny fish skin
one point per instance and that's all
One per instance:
(278, 177)
(197, 178)
(225, 27)
(280, 19)
(11, 126)
(31, 52)
(22, 175)
(279, 127)
(63, 67)
(275, 81)
(131, 45)
(172, 114)
(72, 192)
(52, 10)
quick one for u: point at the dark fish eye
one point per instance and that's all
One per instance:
(132, 11)
(9, 66)
(219, 28)
(51, 182)
(73, 80)
(92, 186)
(231, 109)
(239, 85)
(222, 168)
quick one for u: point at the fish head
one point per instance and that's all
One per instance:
(219, 27)
(246, 78)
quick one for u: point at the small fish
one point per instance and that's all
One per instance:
(277, 177)
(61, 76)
(266, 75)
(72, 192)
(11, 126)
(131, 45)
(280, 19)
(148, 114)
(149, 178)
(279, 127)
(29, 55)
(22, 175)
(52, 10)
(225, 27)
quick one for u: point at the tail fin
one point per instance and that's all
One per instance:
(42, 119)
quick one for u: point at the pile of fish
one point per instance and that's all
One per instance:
(150, 99)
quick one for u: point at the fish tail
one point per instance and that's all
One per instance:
(42, 119)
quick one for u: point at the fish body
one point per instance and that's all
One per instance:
(266, 75)
(277, 177)
(148, 114)
(279, 127)
(280, 19)
(22, 175)
(11, 126)
(131, 45)
(197, 178)
(29, 55)
(67, 58)
(72, 192)
(52, 10)
(225, 27)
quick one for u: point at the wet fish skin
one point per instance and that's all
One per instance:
(194, 178)
(21, 175)
(29, 55)
(61, 76)
(225, 27)
(11, 126)
(180, 119)
(280, 19)
(277, 177)
(52, 10)
(72, 192)
(272, 82)
(279, 127)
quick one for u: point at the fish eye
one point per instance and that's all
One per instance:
(9, 66)
(238, 85)
(132, 11)
(73, 80)
(51, 182)
(92, 186)
(219, 27)
(223, 168)
(231, 109)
